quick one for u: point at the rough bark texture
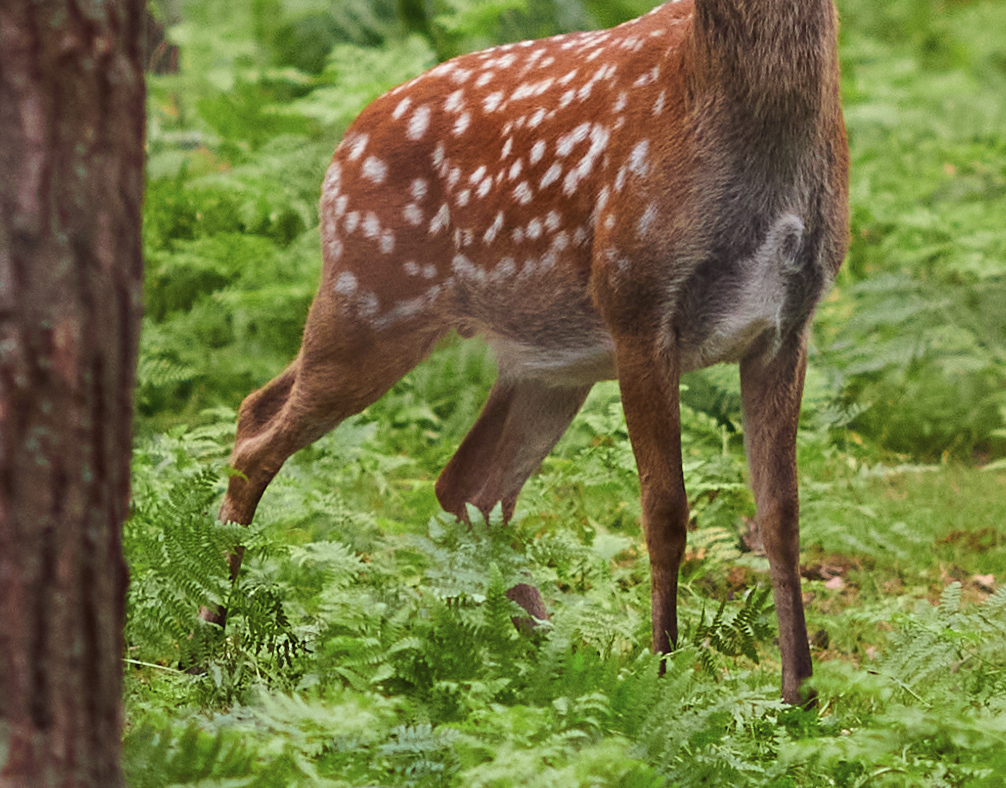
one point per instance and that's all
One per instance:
(71, 181)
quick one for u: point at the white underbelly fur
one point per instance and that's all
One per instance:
(555, 366)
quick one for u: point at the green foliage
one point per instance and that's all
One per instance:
(407, 670)
(918, 330)
(177, 551)
(734, 634)
(369, 638)
(156, 758)
(932, 712)
(934, 643)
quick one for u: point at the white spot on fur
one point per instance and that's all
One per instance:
(639, 159)
(334, 247)
(523, 193)
(551, 176)
(442, 70)
(647, 220)
(602, 200)
(418, 123)
(569, 141)
(537, 151)
(464, 269)
(371, 225)
(387, 242)
(441, 220)
(492, 102)
(401, 109)
(505, 269)
(358, 146)
(456, 101)
(412, 214)
(462, 123)
(352, 221)
(648, 78)
(333, 179)
(368, 304)
(658, 106)
(375, 170)
(598, 142)
(494, 229)
(346, 284)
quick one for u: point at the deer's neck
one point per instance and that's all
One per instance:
(770, 61)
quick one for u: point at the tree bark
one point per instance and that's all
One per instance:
(71, 181)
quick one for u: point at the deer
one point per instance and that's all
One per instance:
(631, 203)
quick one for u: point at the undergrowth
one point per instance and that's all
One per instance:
(369, 639)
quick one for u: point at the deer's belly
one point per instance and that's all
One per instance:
(556, 364)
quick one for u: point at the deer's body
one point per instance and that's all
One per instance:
(631, 203)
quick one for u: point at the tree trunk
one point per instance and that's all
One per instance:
(71, 181)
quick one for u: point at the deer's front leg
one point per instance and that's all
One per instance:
(649, 386)
(771, 389)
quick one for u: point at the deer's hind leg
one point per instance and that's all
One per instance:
(342, 367)
(519, 424)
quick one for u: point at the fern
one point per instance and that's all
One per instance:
(177, 549)
(155, 758)
(157, 372)
(420, 756)
(268, 627)
(734, 634)
(949, 645)
(461, 556)
(503, 645)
